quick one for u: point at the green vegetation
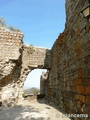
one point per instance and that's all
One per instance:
(23, 95)
(30, 49)
(3, 24)
(14, 29)
(32, 90)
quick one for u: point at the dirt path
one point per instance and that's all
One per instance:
(33, 110)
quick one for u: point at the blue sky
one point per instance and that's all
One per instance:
(41, 21)
(33, 79)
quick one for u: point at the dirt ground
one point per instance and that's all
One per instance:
(33, 110)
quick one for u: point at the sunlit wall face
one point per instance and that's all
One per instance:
(33, 78)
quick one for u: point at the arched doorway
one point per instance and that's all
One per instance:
(33, 80)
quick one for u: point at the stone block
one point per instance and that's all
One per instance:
(80, 98)
(80, 73)
(88, 99)
(86, 110)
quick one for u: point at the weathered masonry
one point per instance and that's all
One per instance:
(16, 61)
(68, 62)
(69, 76)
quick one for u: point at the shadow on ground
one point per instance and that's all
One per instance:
(42, 100)
(21, 113)
(36, 109)
(51, 107)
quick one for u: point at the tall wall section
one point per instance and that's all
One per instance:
(69, 76)
(34, 58)
(16, 62)
(10, 66)
(43, 83)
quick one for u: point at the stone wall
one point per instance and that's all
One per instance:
(16, 62)
(44, 83)
(33, 58)
(10, 65)
(69, 76)
(68, 62)
(36, 57)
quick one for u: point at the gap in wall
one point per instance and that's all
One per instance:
(33, 78)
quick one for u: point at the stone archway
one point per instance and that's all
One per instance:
(33, 79)
(39, 58)
(15, 64)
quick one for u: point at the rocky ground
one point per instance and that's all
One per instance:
(33, 110)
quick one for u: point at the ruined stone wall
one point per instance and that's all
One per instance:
(68, 63)
(16, 61)
(10, 65)
(44, 83)
(69, 76)
(33, 58)
(36, 57)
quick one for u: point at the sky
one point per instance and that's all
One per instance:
(41, 22)
(33, 79)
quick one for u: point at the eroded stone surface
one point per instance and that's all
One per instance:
(10, 65)
(16, 63)
(68, 62)
(69, 83)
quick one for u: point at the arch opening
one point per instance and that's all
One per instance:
(34, 81)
